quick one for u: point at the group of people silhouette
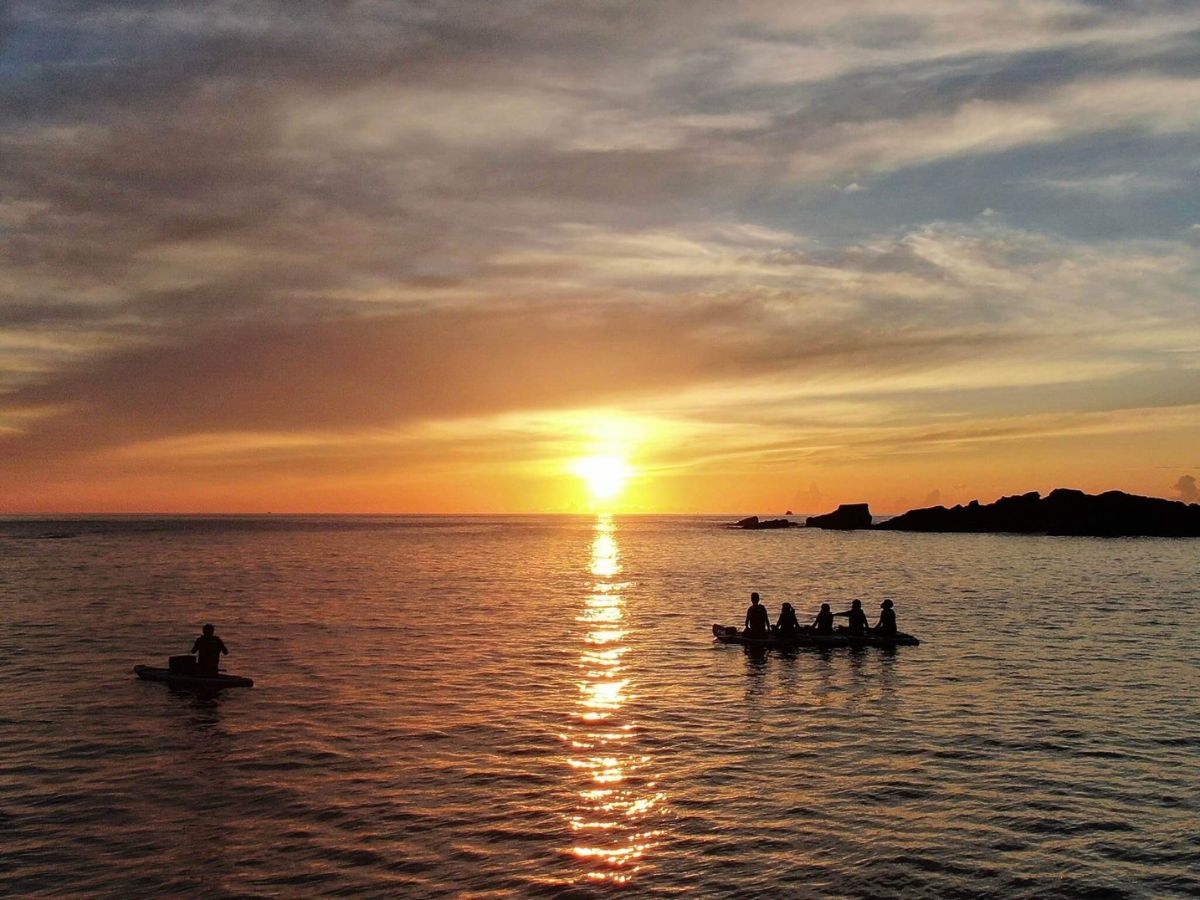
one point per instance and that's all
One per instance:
(758, 621)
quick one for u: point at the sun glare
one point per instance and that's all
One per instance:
(605, 476)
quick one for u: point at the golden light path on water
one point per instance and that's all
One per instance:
(618, 792)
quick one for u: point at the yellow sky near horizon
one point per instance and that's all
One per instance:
(667, 468)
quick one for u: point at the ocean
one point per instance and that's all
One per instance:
(534, 707)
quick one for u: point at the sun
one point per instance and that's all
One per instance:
(605, 476)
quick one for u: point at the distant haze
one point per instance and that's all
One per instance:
(303, 256)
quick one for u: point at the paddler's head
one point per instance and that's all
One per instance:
(208, 630)
(886, 604)
(754, 599)
(856, 604)
(824, 607)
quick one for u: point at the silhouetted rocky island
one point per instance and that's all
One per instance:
(754, 523)
(847, 517)
(1061, 512)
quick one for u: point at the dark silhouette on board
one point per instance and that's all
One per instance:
(847, 517)
(209, 649)
(186, 672)
(787, 625)
(887, 618)
(823, 623)
(857, 624)
(758, 622)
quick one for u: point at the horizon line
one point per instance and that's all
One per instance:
(265, 513)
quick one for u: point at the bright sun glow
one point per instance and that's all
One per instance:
(605, 476)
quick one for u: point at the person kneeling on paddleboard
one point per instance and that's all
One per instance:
(758, 621)
(210, 647)
(858, 619)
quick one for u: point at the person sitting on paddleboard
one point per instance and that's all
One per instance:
(823, 623)
(757, 619)
(887, 619)
(858, 618)
(210, 647)
(787, 624)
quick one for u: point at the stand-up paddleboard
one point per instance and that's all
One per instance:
(180, 680)
(727, 634)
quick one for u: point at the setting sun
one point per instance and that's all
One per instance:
(605, 476)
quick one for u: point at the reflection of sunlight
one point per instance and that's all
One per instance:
(603, 657)
(604, 557)
(605, 637)
(603, 695)
(579, 825)
(601, 614)
(617, 796)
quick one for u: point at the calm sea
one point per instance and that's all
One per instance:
(520, 706)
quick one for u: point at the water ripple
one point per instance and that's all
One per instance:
(515, 707)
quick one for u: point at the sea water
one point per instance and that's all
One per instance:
(523, 706)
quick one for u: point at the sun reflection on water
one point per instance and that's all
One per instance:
(618, 794)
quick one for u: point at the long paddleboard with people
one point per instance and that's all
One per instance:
(730, 634)
(757, 630)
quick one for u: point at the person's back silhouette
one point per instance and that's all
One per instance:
(887, 619)
(858, 618)
(209, 647)
(787, 624)
(757, 619)
(823, 623)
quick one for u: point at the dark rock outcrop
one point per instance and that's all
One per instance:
(754, 523)
(847, 517)
(1061, 512)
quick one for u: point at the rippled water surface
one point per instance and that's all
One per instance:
(534, 707)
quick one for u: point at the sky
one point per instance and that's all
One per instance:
(427, 257)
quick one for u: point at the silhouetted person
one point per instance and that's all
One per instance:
(757, 620)
(210, 647)
(858, 618)
(887, 619)
(787, 624)
(823, 623)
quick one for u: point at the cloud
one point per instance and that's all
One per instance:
(809, 501)
(687, 309)
(301, 223)
(382, 370)
(1185, 488)
(1113, 185)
